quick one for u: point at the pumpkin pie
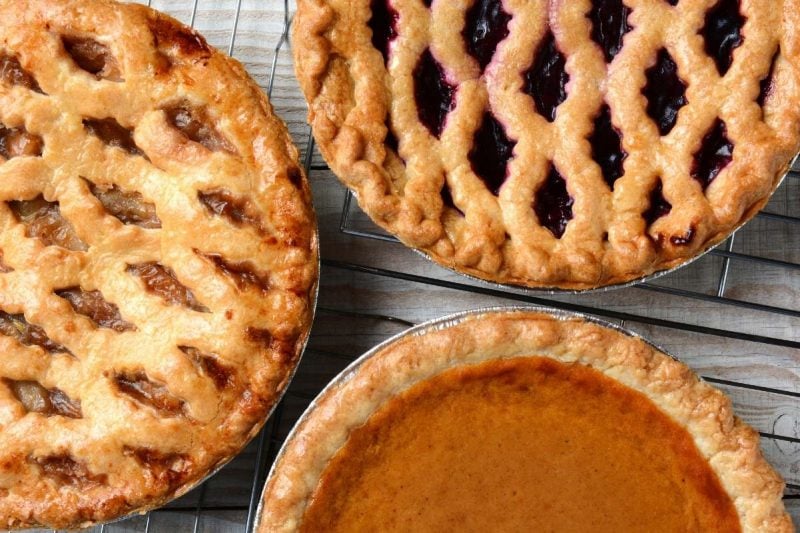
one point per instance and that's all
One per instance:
(521, 420)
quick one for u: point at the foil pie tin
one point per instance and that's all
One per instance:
(419, 330)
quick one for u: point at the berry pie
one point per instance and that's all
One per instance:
(521, 421)
(158, 260)
(554, 143)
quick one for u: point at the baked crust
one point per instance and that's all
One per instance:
(730, 446)
(186, 211)
(499, 237)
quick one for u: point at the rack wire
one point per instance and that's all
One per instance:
(228, 501)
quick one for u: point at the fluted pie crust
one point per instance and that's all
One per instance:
(469, 342)
(423, 187)
(159, 260)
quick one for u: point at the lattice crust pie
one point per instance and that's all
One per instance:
(159, 260)
(554, 143)
(521, 421)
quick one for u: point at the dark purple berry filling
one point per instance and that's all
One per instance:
(491, 150)
(665, 92)
(768, 83)
(607, 149)
(682, 240)
(714, 155)
(427, 2)
(486, 25)
(672, 2)
(659, 206)
(447, 199)
(553, 204)
(391, 140)
(546, 80)
(435, 95)
(609, 25)
(384, 26)
(723, 33)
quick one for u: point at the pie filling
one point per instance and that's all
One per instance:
(665, 92)
(522, 444)
(435, 95)
(485, 27)
(488, 24)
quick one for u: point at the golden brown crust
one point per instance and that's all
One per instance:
(500, 237)
(730, 446)
(215, 292)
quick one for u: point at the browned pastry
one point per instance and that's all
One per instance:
(159, 260)
(552, 143)
(521, 421)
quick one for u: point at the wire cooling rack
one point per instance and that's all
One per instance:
(734, 315)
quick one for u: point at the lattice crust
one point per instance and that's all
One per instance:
(535, 208)
(159, 260)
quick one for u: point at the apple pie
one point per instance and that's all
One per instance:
(158, 260)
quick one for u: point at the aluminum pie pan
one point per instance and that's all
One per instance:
(433, 325)
(540, 291)
(279, 394)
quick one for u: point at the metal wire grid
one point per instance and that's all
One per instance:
(269, 440)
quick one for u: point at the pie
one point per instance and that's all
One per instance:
(521, 420)
(158, 260)
(554, 144)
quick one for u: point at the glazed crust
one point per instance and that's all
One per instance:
(185, 381)
(499, 237)
(730, 446)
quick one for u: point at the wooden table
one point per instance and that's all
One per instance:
(372, 288)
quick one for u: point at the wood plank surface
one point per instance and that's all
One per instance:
(762, 378)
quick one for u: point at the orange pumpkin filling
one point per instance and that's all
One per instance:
(523, 444)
